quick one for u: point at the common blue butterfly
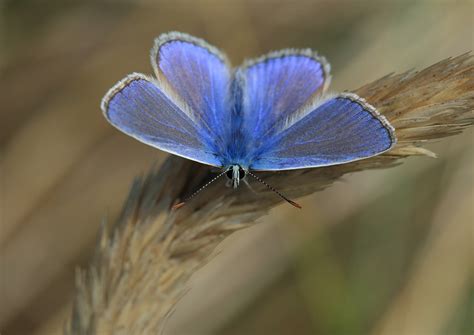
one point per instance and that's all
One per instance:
(271, 113)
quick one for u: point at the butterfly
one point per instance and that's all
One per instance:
(270, 114)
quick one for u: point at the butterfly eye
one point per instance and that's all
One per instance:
(228, 173)
(242, 173)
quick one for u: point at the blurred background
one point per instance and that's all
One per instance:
(380, 252)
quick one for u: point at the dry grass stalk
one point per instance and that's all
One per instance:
(142, 265)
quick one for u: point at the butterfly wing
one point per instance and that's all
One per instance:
(179, 112)
(338, 130)
(199, 74)
(140, 108)
(277, 85)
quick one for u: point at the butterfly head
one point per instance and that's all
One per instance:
(235, 173)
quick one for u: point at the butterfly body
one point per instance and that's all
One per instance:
(271, 113)
(235, 173)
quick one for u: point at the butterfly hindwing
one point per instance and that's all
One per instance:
(199, 75)
(266, 115)
(277, 85)
(338, 130)
(140, 108)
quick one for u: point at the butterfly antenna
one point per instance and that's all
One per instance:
(182, 203)
(291, 202)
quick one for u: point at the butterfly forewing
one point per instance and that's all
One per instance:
(339, 130)
(138, 107)
(266, 115)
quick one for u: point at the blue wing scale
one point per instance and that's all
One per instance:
(138, 107)
(339, 130)
(266, 115)
(199, 75)
(276, 86)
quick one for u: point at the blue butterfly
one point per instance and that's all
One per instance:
(271, 113)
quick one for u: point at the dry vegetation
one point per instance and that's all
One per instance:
(387, 252)
(142, 267)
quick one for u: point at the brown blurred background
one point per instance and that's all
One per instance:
(382, 252)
